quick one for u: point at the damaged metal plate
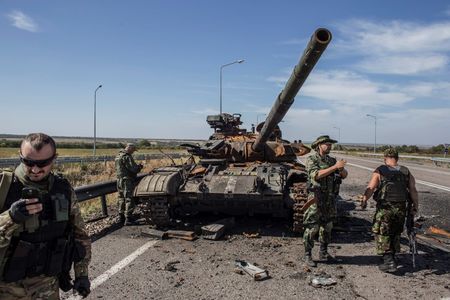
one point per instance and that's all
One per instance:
(252, 270)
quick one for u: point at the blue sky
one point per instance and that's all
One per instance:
(159, 64)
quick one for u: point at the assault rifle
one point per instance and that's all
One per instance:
(411, 231)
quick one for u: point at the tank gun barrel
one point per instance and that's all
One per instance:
(316, 46)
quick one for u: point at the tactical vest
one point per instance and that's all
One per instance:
(394, 186)
(40, 246)
(121, 170)
(328, 185)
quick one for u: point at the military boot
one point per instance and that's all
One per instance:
(324, 255)
(388, 265)
(130, 221)
(121, 218)
(307, 259)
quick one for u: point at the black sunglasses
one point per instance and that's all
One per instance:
(38, 163)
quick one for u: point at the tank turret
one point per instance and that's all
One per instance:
(241, 146)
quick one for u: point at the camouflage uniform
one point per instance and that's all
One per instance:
(126, 171)
(39, 285)
(391, 197)
(318, 218)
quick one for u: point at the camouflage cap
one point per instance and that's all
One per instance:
(391, 152)
(131, 145)
(322, 139)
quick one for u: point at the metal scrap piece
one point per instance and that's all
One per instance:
(252, 270)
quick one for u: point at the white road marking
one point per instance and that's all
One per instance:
(117, 267)
(430, 184)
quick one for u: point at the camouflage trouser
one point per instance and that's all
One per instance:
(125, 187)
(317, 223)
(34, 288)
(388, 225)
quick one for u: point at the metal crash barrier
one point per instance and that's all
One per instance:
(102, 189)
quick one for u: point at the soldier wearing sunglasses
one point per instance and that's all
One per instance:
(42, 233)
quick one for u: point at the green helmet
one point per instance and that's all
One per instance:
(391, 152)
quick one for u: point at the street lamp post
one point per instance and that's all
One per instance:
(375, 142)
(95, 116)
(339, 133)
(221, 68)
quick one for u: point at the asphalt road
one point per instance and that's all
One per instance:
(127, 265)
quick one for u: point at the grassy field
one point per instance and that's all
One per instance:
(14, 152)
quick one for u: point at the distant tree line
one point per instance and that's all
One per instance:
(142, 144)
(438, 149)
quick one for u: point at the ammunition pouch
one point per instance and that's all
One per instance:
(33, 259)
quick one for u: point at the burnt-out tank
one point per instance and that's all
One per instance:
(238, 171)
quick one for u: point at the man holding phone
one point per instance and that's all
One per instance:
(41, 229)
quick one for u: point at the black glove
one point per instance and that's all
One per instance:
(82, 285)
(18, 211)
(65, 281)
(140, 166)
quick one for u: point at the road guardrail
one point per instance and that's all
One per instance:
(14, 162)
(88, 192)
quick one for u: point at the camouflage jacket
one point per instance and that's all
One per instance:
(327, 185)
(8, 229)
(126, 166)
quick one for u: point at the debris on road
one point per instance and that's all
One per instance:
(162, 235)
(182, 234)
(320, 281)
(170, 266)
(216, 230)
(255, 235)
(252, 270)
(438, 231)
(149, 232)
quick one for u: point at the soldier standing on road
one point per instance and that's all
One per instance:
(41, 229)
(126, 171)
(393, 186)
(324, 177)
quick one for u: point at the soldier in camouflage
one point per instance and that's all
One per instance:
(324, 177)
(393, 186)
(42, 232)
(126, 171)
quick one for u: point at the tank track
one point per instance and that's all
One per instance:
(156, 211)
(300, 196)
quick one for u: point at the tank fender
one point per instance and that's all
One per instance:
(163, 181)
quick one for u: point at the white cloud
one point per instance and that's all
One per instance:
(403, 64)
(349, 88)
(397, 47)
(22, 21)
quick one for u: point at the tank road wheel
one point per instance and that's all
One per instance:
(156, 211)
(300, 196)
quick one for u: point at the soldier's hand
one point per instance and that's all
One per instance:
(23, 209)
(140, 166)
(363, 204)
(340, 164)
(82, 285)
